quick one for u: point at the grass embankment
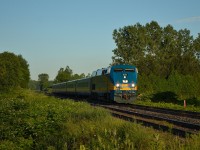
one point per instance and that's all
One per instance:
(33, 121)
(171, 103)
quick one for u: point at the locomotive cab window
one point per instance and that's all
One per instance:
(118, 70)
(129, 70)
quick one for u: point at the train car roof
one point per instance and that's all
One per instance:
(70, 81)
(107, 70)
(59, 83)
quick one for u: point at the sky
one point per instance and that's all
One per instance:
(53, 34)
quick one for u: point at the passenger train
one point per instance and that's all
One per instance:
(116, 83)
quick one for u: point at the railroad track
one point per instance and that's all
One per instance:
(180, 123)
(190, 114)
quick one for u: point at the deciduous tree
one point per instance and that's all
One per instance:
(43, 79)
(14, 71)
(64, 75)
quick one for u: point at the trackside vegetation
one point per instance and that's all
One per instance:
(171, 92)
(32, 120)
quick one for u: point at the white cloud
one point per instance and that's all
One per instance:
(188, 20)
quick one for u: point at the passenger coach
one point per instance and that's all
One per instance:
(116, 83)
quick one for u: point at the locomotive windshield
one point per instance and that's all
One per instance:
(129, 70)
(118, 70)
(121, 70)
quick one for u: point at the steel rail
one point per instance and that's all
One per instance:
(149, 123)
(176, 127)
(184, 113)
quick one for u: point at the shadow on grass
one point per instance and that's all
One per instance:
(167, 97)
(193, 101)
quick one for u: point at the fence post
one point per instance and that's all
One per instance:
(184, 103)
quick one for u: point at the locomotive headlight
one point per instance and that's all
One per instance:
(125, 81)
(132, 85)
(117, 85)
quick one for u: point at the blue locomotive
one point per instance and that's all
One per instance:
(116, 83)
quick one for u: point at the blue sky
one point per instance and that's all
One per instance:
(51, 34)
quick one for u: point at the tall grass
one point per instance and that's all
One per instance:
(34, 121)
(148, 100)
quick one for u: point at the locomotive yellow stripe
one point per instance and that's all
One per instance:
(115, 88)
(122, 88)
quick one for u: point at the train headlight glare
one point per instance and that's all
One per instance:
(117, 85)
(133, 85)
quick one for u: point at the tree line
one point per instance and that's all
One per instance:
(166, 58)
(14, 73)
(63, 75)
(157, 50)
